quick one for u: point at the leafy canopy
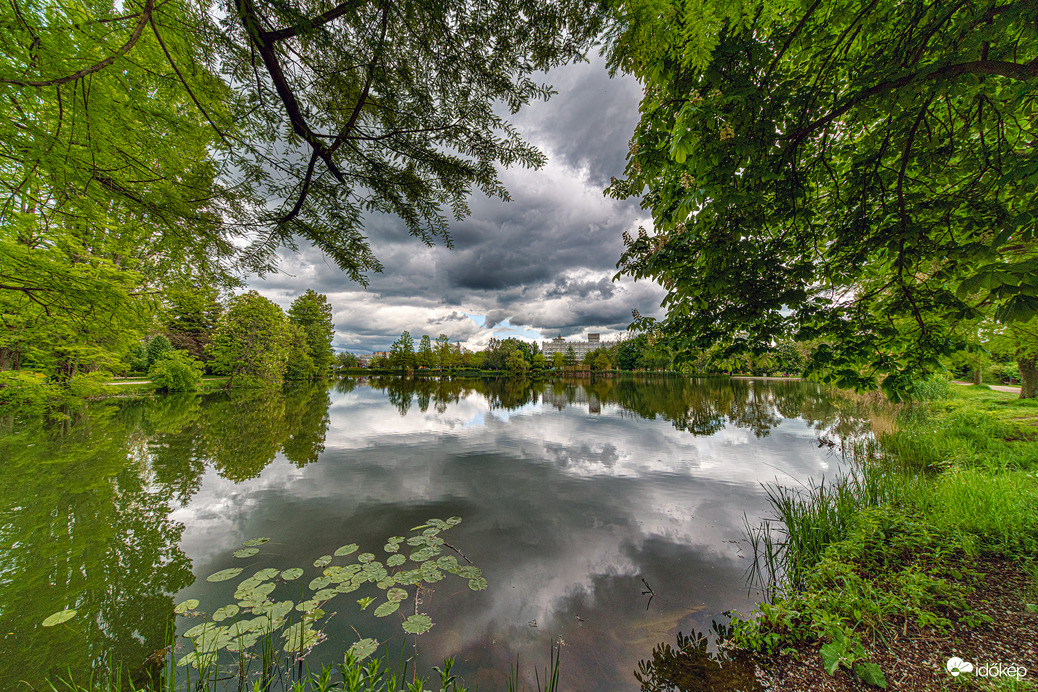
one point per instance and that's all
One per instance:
(860, 175)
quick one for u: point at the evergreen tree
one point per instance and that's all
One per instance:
(313, 313)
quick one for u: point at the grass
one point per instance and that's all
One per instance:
(893, 542)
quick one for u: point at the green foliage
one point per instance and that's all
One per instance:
(191, 316)
(176, 371)
(851, 175)
(26, 392)
(157, 349)
(401, 353)
(425, 358)
(933, 388)
(847, 652)
(251, 343)
(313, 313)
(299, 365)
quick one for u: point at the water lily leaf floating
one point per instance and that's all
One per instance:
(254, 541)
(227, 611)
(318, 583)
(418, 624)
(300, 637)
(224, 574)
(198, 659)
(396, 594)
(265, 574)
(478, 584)
(362, 649)
(189, 604)
(346, 550)
(323, 561)
(246, 552)
(387, 608)
(292, 573)
(60, 617)
(365, 602)
(396, 560)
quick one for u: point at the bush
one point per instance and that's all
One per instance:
(156, 349)
(85, 386)
(176, 371)
(24, 391)
(934, 388)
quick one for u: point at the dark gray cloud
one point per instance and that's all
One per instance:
(541, 264)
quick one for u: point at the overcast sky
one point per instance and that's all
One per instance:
(535, 267)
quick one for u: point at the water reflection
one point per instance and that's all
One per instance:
(574, 495)
(699, 663)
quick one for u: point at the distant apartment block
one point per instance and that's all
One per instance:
(580, 348)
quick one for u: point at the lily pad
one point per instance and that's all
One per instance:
(391, 547)
(416, 540)
(454, 521)
(246, 552)
(363, 649)
(430, 531)
(417, 624)
(469, 572)
(300, 637)
(255, 541)
(200, 629)
(325, 594)
(365, 602)
(265, 574)
(197, 659)
(396, 560)
(183, 607)
(318, 583)
(346, 550)
(224, 574)
(323, 561)
(307, 605)
(347, 587)
(397, 540)
(396, 594)
(477, 584)
(243, 642)
(385, 582)
(292, 573)
(227, 611)
(365, 557)
(432, 576)
(62, 616)
(387, 608)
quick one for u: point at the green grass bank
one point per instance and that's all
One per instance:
(937, 519)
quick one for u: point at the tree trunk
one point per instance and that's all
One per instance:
(976, 375)
(1028, 377)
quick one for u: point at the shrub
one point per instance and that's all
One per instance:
(157, 348)
(24, 391)
(176, 371)
(85, 386)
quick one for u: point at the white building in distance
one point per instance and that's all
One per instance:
(580, 348)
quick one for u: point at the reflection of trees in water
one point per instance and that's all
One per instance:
(84, 506)
(85, 525)
(698, 406)
(691, 667)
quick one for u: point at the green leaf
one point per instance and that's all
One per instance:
(387, 608)
(870, 673)
(323, 561)
(224, 612)
(396, 594)
(831, 657)
(264, 574)
(365, 557)
(396, 560)
(181, 608)
(318, 583)
(362, 649)
(197, 659)
(246, 552)
(224, 574)
(365, 602)
(255, 541)
(417, 624)
(292, 573)
(477, 584)
(63, 616)
(346, 550)
(391, 547)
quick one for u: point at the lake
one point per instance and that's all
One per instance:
(605, 515)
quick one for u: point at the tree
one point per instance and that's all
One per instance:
(788, 357)
(313, 313)
(860, 175)
(299, 361)
(558, 359)
(176, 371)
(192, 314)
(158, 347)
(345, 359)
(516, 364)
(1021, 340)
(425, 358)
(401, 353)
(571, 356)
(329, 109)
(250, 343)
(446, 356)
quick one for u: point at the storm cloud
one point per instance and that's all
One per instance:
(539, 265)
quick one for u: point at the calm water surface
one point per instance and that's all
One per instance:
(576, 499)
